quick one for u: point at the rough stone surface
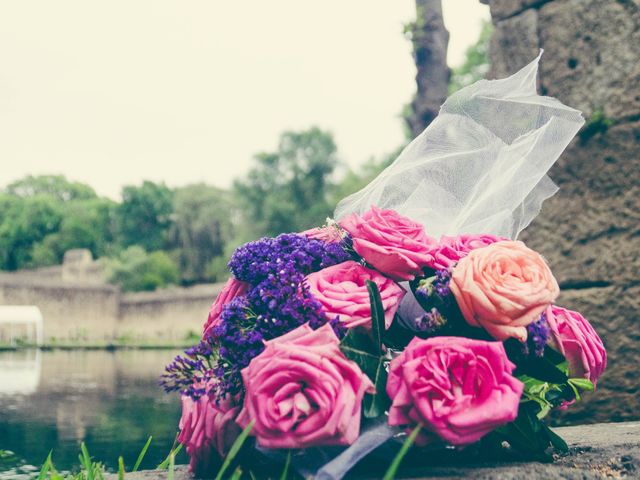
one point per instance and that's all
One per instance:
(590, 231)
(592, 55)
(501, 9)
(514, 44)
(596, 452)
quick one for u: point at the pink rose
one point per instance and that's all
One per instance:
(457, 388)
(503, 287)
(232, 289)
(342, 291)
(393, 244)
(450, 250)
(326, 234)
(576, 339)
(302, 391)
(206, 426)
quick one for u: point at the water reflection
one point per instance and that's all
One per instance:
(20, 372)
(109, 400)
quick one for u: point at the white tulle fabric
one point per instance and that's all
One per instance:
(480, 166)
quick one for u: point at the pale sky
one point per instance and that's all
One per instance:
(111, 93)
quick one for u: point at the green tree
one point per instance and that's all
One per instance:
(56, 186)
(136, 270)
(476, 63)
(26, 221)
(288, 190)
(144, 216)
(202, 227)
(86, 224)
(43, 216)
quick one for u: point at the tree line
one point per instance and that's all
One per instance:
(156, 235)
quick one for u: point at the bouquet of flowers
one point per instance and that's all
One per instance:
(415, 310)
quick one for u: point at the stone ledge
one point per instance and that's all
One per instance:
(605, 450)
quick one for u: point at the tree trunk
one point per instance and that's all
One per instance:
(430, 39)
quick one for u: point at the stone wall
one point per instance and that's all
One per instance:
(78, 312)
(166, 314)
(590, 231)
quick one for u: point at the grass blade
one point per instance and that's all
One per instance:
(85, 459)
(285, 472)
(120, 468)
(143, 452)
(393, 468)
(235, 448)
(172, 466)
(237, 474)
(165, 462)
(46, 466)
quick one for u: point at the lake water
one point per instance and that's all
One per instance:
(54, 400)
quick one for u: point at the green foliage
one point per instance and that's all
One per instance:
(42, 217)
(136, 270)
(476, 63)
(598, 123)
(56, 186)
(202, 227)
(288, 190)
(144, 216)
(24, 223)
(197, 226)
(366, 350)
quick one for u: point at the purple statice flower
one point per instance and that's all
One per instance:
(277, 302)
(537, 336)
(255, 261)
(191, 372)
(430, 321)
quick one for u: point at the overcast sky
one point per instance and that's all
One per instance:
(111, 93)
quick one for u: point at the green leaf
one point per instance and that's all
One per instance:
(377, 403)
(46, 466)
(285, 472)
(395, 464)
(360, 340)
(237, 474)
(582, 384)
(120, 468)
(235, 448)
(543, 369)
(143, 452)
(377, 316)
(556, 440)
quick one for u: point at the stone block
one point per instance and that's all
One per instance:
(514, 44)
(501, 9)
(592, 52)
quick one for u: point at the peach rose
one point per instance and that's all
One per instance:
(502, 288)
